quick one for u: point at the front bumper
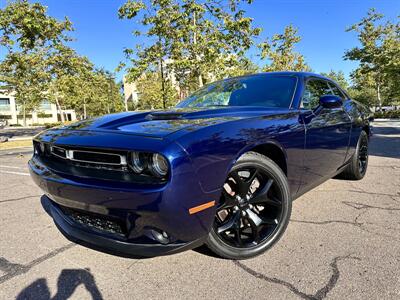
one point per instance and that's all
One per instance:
(138, 208)
(77, 233)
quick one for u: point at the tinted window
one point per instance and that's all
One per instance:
(336, 91)
(261, 90)
(314, 90)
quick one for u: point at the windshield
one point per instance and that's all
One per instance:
(259, 90)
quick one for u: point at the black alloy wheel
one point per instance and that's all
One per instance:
(254, 208)
(358, 164)
(363, 154)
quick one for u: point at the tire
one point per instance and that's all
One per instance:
(264, 211)
(358, 165)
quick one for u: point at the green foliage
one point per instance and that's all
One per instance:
(90, 92)
(39, 65)
(150, 92)
(338, 77)
(24, 74)
(280, 52)
(193, 41)
(27, 33)
(378, 56)
(27, 26)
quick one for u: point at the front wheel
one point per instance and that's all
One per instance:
(254, 209)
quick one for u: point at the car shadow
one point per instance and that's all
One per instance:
(204, 250)
(67, 282)
(385, 142)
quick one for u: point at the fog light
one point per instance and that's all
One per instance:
(160, 236)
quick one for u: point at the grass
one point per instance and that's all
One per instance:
(15, 144)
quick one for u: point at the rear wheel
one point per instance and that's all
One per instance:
(357, 168)
(254, 209)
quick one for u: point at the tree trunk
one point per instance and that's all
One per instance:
(60, 110)
(163, 84)
(126, 103)
(24, 114)
(378, 92)
(200, 80)
(84, 110)
(199, 77)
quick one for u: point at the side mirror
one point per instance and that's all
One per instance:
(330, 101)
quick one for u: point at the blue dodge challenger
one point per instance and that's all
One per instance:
(221, 168)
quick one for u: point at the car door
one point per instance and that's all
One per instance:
(327, 133)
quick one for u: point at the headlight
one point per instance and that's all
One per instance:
(38, 148)
(149, 163)
(138, 162)
(159, 165)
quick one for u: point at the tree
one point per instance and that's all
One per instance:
(149, 92)
(193, 41)
(338, 77)
(27, 32)
(378, 56)
(40, 65)
(152, 58)
(102, 96)
(89, 92)
(210, 39)
(24, 76)
(280, 52)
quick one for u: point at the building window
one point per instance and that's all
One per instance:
(45, 105)
(4, 103)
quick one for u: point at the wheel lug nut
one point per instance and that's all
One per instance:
(235, 208)
(248, 197)
(243, 213)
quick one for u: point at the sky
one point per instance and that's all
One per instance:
(100, 35)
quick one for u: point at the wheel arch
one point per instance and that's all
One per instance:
(366, 128)
(274, 152)
(271, 149)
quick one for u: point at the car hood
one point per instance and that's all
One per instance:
(160, 124)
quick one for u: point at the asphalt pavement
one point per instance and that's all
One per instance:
(343, 242)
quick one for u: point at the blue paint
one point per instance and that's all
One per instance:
(201, 145)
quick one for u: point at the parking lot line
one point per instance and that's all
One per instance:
(11, 167)
(15, 173)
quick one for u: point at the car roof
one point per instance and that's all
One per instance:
(287, 73)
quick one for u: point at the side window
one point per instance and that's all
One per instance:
(315, 88)
(336, 91)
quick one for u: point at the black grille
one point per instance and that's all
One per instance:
(96, 221)
(95, 157)
(89, 156)
(59, 152)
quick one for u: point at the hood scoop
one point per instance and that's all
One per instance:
(164, 115)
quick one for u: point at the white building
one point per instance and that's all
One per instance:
(130, 92)
(45, 113)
